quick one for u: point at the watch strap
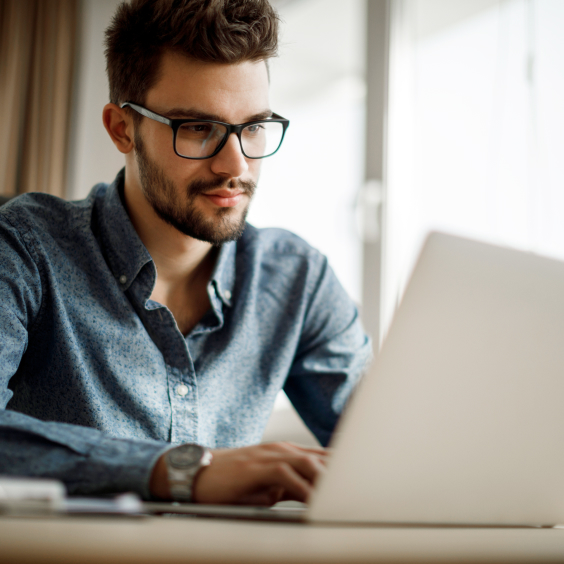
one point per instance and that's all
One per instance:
(181, 480)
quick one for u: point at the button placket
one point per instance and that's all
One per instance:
(184, 402)
(182, 385)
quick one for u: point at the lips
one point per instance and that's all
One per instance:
(224, 193)
(224, 198)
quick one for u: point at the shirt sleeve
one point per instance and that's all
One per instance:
(86, 460)
(332, 355)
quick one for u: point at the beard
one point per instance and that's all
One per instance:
(181, 211)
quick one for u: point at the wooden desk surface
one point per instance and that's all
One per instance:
(198, 541)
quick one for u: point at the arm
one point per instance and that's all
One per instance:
(86, 460)
(332, 355)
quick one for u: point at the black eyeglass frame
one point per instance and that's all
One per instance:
(237, 129)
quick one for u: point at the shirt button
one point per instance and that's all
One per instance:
(227, 294)
(123, 279)
(181, 390)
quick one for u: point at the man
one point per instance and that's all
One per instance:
(150, 315)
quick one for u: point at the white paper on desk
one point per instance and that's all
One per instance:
(30, 495)
(37, 496)
(124, 504)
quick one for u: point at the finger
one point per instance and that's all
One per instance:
(268, 496)
(293, 447)
(284, 475)
(313, 450)
(308, 461)
(323, 454)
(290, 444)
(307, 465)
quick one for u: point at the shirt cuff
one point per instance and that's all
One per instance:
(118, 465)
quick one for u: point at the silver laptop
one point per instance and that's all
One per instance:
(460, 419)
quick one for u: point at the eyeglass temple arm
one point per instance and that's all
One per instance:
(147, 113)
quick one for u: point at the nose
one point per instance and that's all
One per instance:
(230, 161)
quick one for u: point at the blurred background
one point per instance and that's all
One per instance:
(406, 116)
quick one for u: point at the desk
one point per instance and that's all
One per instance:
(197, 541)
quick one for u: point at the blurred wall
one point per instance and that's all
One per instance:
(93, 157)
(312, 185)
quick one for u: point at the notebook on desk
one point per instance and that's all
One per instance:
(460, 419)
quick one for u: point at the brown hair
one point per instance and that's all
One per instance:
(218, 31)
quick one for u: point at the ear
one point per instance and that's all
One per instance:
(119, 125)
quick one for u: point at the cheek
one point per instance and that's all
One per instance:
(164, 148)
(184, 171)
(160, 147)
(158, 144)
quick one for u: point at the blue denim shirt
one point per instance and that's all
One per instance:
(97, 381)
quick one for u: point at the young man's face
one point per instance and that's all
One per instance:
(205, 199)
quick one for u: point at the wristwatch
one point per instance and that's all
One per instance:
(183, 463)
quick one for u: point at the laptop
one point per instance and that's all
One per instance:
(460, 419)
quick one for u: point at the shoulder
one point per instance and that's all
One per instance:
(280, 261)
(40, 213)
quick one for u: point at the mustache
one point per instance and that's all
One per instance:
(200, 186)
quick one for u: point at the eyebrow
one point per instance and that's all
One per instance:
(187, 113)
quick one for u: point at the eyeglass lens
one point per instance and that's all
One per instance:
(201, 139)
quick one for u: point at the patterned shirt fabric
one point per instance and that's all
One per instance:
(97, 381)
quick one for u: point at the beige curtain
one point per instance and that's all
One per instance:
(37, 48)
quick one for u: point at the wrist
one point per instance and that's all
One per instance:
(175, 472)
(158, 484)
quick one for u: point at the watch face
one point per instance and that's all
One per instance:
(185, 456)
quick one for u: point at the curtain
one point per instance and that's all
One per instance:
(37, 53)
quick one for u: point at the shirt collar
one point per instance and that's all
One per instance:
(125, 252)
(223, 276)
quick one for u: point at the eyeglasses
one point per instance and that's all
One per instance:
(204, 138)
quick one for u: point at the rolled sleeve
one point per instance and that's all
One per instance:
(85, 460)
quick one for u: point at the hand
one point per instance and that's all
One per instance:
(256, 475)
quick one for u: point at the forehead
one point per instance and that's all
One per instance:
(231, 91)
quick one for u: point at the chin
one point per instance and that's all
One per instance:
(225, 225)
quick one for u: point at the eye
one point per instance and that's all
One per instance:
(197, 127)
(199, 130)
(254, 129)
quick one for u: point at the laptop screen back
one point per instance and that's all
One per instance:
(461, 416)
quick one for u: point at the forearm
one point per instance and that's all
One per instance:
(85, 460)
